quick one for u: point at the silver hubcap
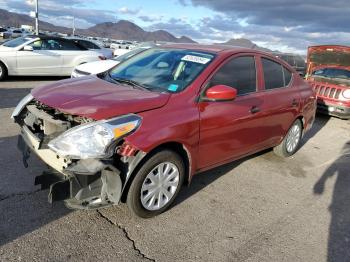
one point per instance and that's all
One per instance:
(159, 186)
(293, 138)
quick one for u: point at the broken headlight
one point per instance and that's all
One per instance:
(94, 140)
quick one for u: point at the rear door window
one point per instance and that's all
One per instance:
(67, 45)
(239, 73)
(275, 74)
(88, 44)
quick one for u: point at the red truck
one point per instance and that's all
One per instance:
(139, 131)
(328, 72)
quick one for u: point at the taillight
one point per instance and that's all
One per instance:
(101, 57)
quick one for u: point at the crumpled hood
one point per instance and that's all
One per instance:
(97, 67)
(327, 56)
(97, 99)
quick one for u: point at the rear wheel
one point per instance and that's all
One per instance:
(291, 142)
(3, 71)
(156, 184)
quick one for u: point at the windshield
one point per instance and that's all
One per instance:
(333, 73)
(17, 42)
(170, 70)
(128, 55)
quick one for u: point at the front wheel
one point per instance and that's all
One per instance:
(156, 184)
(291, 142)
(3, 71)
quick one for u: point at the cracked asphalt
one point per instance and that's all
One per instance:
(261, 208)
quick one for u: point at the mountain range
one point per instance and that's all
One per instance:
(122, 29)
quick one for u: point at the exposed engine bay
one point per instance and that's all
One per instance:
(81, 183)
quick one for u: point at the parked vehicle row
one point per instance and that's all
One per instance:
(98, 67)
(141, 130)
(43, 55)
(6, 33)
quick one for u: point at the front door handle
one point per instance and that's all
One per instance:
(295, 102)
(254, 110)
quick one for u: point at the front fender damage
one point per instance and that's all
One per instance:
(90, 183)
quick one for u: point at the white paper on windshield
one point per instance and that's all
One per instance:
(195, 59)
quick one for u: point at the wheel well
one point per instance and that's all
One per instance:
(4, 66)
(174, 146)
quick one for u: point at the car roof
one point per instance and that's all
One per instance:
(214, 48)
(46, 37)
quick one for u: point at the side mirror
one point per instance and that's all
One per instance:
(221, 93)
(28, 48)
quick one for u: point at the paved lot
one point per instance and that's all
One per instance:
(262, 208)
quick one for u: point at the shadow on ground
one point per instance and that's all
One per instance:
(33, 78)
(204, 179)
(23, 207)
(339, 229)
(11, 96)
(320, 121)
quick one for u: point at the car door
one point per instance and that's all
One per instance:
(70, 53)
(281, 97)
(232, 129)
(44, 59)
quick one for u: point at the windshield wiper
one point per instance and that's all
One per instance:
(128, 82)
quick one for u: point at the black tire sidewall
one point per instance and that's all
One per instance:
(3, 70)
(134, 194)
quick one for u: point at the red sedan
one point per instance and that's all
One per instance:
(141, 130)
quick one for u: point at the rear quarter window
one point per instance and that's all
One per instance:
(275, 74)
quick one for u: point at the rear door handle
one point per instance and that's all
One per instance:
(254, 110)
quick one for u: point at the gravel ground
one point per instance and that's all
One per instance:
(262, 208)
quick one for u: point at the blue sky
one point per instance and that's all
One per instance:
(286, 25)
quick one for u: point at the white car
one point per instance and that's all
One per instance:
(93, 45)
(98, 67)
(4, 33)
(43, 55)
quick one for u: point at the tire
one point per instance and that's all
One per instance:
(142, 201)
(3, 71)
(290, 145)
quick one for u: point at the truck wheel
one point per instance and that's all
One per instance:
(3, 71)
(291, 141)
(156, 184)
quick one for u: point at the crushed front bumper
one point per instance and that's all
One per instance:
(82, 184)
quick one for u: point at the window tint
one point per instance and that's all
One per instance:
(239, 73)
(88, 44)
(300, 62)
(68, 45)
(287, 76)
(273, 74)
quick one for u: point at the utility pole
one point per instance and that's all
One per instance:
(37, 17)
(73, 25)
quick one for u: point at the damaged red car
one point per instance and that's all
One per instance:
(328, 72)
(138, 132)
